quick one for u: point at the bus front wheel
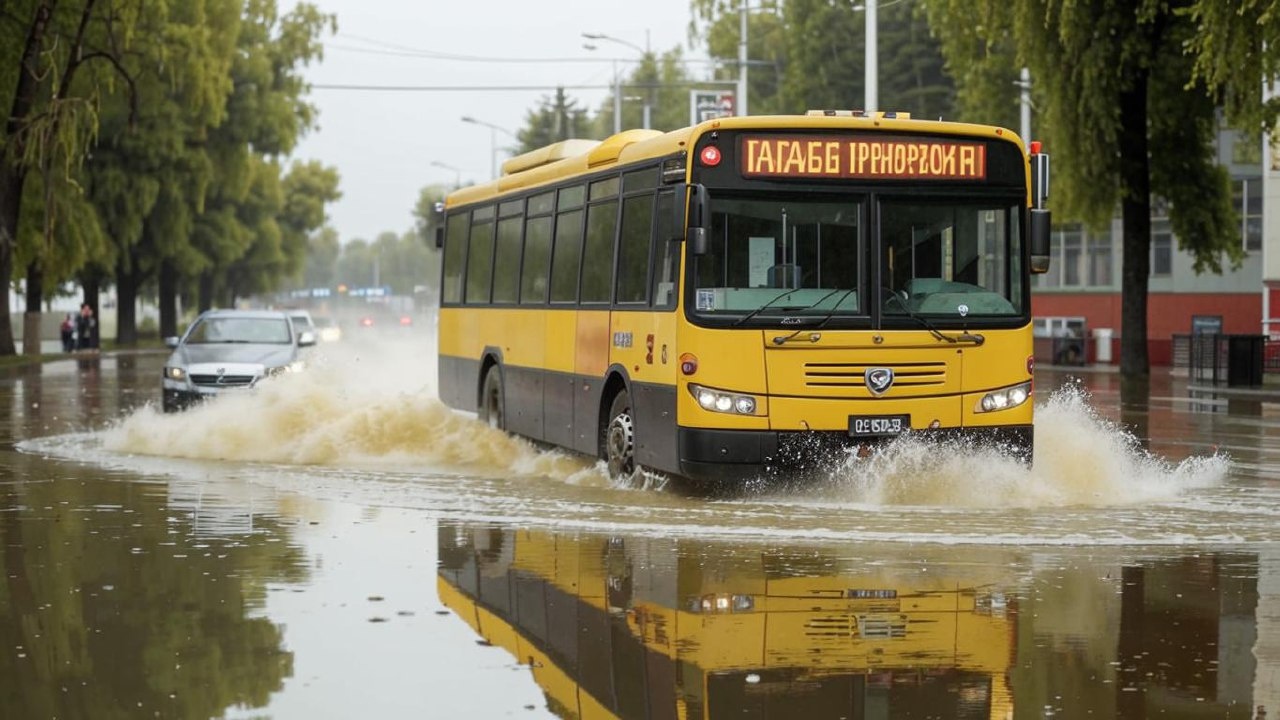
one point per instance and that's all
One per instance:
(491, 400)
(619, 438)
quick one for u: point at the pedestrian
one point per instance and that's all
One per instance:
(68, 333)
(85, 328)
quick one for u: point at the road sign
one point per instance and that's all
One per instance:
(710, 104)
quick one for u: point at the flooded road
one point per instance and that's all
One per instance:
(339, 544)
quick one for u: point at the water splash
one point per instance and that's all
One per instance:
(368, 405)
(362, 406)
(1080, 458)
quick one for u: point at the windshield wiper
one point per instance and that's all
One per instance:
(782, 339)
(770, 304)
(964, 336)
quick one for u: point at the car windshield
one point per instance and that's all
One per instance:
(240, 330)
(797, 254)
(302, 321)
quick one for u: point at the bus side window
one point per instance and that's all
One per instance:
(480, 259)
(536, 269)
(566, 254)
(633, 249)
(666, 253)
(597, 253)
(506, 261)
(455, 256)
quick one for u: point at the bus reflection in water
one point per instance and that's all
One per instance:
(718, 631)
(749, 294)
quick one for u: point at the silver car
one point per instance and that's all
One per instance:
(230, 350)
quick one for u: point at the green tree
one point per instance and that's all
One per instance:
(56, 57)
(811, 54)
(554, 119)
(1237, 50)
(661, 82)
(323, 249)
(242, 248)
(719, 24)
(1115, 94)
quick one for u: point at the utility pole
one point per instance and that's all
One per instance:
(1025, 84)
(872, 70)
(740, 104)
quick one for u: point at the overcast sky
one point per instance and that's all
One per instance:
(383, 143)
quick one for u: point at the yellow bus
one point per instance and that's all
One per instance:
(749, 294)
(631, 627)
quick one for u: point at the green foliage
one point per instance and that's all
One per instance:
(981, 55)
(402, 262)
(555, 119)
(1237, 50)
(179, 633)
(808, 54)
(425, 217)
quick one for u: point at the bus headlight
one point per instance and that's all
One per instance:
(1010, 397)
(724, 402)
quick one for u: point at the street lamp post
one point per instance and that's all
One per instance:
(493, 142)
(617, 79)
(457, 174)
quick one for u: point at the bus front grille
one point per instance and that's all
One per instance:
(851, 375)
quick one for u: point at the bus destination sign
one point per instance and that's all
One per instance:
(862, 158)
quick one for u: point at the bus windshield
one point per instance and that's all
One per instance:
(949, 258)
(788, 253)
(806, 254)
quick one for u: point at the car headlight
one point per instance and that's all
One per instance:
(293, 367)
(1010, 397)
(723, 402)
(175, 373)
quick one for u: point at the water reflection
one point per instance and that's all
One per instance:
(117, 599)
(634, 627)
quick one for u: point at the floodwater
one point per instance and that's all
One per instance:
(338, 544)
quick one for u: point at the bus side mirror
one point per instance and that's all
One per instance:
(437, 212)
(1039, 240)
(698, 216)
(697, 240)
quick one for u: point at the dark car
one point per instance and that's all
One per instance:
(228, 351)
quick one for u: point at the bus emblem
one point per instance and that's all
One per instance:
(879, 380)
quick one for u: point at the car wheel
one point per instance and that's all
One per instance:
(492, 401)
(619, 439)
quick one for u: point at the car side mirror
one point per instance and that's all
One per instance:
(171, 342)
(305, 338)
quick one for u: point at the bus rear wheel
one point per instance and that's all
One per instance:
(491, 400)
(619, 438)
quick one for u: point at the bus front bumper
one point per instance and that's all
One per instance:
(722, 455)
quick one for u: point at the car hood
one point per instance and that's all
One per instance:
(268, 355)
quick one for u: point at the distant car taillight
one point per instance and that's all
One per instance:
(366, 322)
(406, 320)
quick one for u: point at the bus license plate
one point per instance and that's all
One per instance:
(878, 425)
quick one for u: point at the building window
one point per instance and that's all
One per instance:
(1246, 196)
(1099, 259)
(1161, 248)
(1072, 256)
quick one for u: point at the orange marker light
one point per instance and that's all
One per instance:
(688, 363)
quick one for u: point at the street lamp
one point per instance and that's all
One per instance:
(493, 142)
(617, 79)
(457, 174)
